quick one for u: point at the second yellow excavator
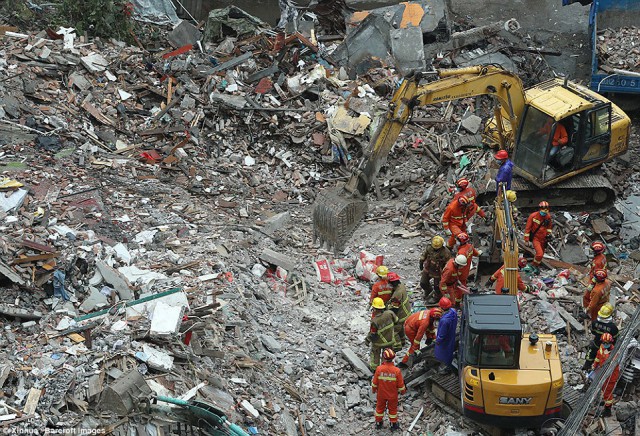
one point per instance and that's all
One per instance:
(524, 123)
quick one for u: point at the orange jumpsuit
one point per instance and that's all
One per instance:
(468, 251)
(598, 262)
(387, 383)
(468, 192)
(455, 219)
(598, 296)
(449, 281)
(382, 288)
(415, 327)
(498, 278)
(560, 136)
(607, 388)
(537, 230)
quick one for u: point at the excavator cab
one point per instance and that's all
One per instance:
(506, 377)
(549, 148)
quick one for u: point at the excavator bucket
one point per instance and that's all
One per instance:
(336, 214)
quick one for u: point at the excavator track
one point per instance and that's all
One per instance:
(446, 390)
(582, 193)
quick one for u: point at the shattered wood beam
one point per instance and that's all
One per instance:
(570, 319)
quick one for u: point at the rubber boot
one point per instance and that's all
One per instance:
(607, 411)
(379, 425)
(396, 427)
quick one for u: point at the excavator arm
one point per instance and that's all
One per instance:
(505, 234)
(338, 212)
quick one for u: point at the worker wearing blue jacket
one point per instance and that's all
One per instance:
(446, 338)
(505, 173)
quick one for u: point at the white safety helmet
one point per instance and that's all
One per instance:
(461, 260)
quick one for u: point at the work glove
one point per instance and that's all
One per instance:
(367, 340)
(427, 342)
(480, 253)
(447, 232)
(528, 288)
(488, 283)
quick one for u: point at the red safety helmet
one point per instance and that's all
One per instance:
(597, 246)
(543, 205)
(522, 262)
(462, 183)
(393, 277)
(444, 303)
(388, 354)
(435, 313)
(606, 337)
(502, 154)
(463, 238)
(600, 275)
(463, 200)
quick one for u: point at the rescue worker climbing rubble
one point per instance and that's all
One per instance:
(604, 324)
(603, 354)
(432, 262)
(498, 278)
(467, 250)
(450, 278)
(400, 305)
(595, 297)
(538, 232)
(457, 215)
(387, 384)
(382, 287)
(381, 332)
(418, 325)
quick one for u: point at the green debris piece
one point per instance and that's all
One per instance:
(464, 161)
(13, 166)
(65, 152)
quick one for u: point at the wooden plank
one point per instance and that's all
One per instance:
(570, 319)
(32, 401)
(9, 273)
(35, 258)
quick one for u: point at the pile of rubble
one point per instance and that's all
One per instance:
(619, 48)
(155, 217)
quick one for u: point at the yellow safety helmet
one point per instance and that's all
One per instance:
(437, 242)
(511, 196)
(378, 303)
(606, 310)
(382, 271)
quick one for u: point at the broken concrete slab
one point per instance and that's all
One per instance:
(156, 358)
(95, 300)
(353, 397)
(125, 394)
(407, 50)
(94, 62)
(471, 123)
(9, 273)
(573, 254)
(166, 319)
(289, 424)
(184, 33)
(116, 279)
(357, 364)
(278, 259)
(271, 343)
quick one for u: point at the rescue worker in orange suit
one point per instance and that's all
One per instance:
(464, 189)
(432, 262)
(466, 249)
(604, 352)
(498, 278)
(594, 298)
(418, 325)
(457, 215)
(604, 324)
(400, 305)
(387, 384)
(538, 232)
(381, 333)
(494, 344)
(450, 278)
(560, 136)
(599, 260)
(382, 287)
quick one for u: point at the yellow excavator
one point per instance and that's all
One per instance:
(524, 123)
